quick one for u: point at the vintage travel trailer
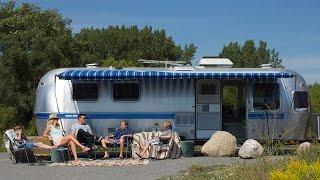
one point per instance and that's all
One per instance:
(254, 103)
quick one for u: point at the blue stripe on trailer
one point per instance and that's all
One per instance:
(97, 74)
(262, 116)
(153, 115)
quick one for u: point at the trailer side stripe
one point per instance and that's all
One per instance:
(155, 115)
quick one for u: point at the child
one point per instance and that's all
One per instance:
(119, 136)
(21, 140)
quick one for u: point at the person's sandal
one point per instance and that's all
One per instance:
(105, 157)
(86, 149)
(139, 155)
(120, 157)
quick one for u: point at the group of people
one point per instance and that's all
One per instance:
(82, 136)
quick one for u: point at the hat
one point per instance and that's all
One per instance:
(53, 116)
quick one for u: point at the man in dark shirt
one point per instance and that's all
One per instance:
(84, 134)
(120, 135)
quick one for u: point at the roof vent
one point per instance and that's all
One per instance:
(92, 65)
(266, 66)
(183, 68)
(212, 61)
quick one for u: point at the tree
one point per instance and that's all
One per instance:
(314, 93)
(35, 41)
(250, 56)
(32, 42)
(129, 44)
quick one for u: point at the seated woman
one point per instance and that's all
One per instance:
(21, 141)
(165, 136)
(55, 133)
(120, 136)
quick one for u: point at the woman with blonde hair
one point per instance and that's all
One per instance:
(55, 133)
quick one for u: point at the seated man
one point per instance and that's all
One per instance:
(21, 141)
(165, 136)
(83, 133)
(120, 135)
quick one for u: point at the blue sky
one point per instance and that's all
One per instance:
(291, 27)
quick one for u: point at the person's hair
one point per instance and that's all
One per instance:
(50, 122)
(167, 124)
(125, 122)
(17, 126)
(81, 115)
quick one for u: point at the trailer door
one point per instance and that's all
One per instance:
(208, 108)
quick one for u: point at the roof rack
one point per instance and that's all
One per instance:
(166, 63)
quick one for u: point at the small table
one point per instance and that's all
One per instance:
(60, 154)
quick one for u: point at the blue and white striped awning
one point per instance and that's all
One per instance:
(98, 74)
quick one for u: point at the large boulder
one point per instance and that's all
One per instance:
(250, 149)
(303, 147)
(221, 143)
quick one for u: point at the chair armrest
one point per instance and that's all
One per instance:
(43, 139)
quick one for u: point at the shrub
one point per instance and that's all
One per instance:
(311, 155)
(296, 169)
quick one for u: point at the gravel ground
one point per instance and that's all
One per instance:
(154, 170)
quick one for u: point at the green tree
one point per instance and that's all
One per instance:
(250, 56)
(128, 44)
(314, 93)
(32, 42)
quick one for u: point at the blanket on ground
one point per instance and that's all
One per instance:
(104, 163)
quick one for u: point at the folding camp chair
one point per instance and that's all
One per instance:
(15, 154)
(127, 144)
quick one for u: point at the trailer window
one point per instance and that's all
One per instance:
(126, 91)
(85, 91)
(300, 99)
(208, 89)
(266, 96)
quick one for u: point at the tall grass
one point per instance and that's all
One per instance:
(263, 168)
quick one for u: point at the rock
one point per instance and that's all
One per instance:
(303, 147)
(250, 149)
(220, 144)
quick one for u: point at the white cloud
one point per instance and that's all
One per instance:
(308, 66)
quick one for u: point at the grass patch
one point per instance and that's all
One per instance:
(302, 166)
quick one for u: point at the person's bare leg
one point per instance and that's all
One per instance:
(43, 146)
(121, 142)
(68, 138)
(104, 145)
(145, 148)
(74, 150)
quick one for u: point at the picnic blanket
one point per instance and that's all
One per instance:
(104, 163)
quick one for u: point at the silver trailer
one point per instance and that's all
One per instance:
(249, 103)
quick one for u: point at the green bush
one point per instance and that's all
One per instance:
(296, 170)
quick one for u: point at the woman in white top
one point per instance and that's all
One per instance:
(56, 134)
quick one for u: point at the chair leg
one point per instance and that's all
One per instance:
(26, 151)
(64, 159)
(69, 155)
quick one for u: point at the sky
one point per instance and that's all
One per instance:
(291, 27)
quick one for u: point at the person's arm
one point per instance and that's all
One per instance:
(46, 133)
(129, 134)
(17, 135)
(73, 130)
(167, 135)
(89, 129)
